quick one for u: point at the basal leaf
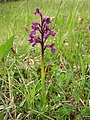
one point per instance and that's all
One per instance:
(5, 48)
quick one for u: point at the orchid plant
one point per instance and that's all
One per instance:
(44, 31)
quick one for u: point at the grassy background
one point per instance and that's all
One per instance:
(68, 80)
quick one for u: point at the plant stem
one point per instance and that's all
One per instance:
(42, 67)
(43, 74)
(43, 83)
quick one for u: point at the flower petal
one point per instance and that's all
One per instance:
(46, 36)
(53, 49)
(30, 40)
(33, 44)
(48, 21)
(37, 12)
(53, 33)
(33, 32)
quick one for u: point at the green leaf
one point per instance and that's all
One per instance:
(5, 48)
(86, 111)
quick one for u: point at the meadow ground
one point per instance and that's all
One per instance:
(67, 81)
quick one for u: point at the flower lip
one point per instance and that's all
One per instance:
(31, 36)
(50, 45)
(46, 36)
(53, 49)
(37, 39)
(35, 27)
(35, 23)
(53, 33)
(33, 44)
(30, 40)
(33, 32)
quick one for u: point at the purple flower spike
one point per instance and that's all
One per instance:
(44, 31)
(53, 49)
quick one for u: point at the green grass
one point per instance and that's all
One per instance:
(67, 84)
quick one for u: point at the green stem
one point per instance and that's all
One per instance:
(43, 76)
(43, 83)
(42, 69)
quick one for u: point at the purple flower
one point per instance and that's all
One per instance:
(46, 35)
(30, 40)
(52, 32)
(33, 44)
(48, 21)
(50, 46)
(35, 27)
(44, 19)
(37, 12)
(31, 36)
(33, 31)
(35, 23)
(53, 49)
(37, 39)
